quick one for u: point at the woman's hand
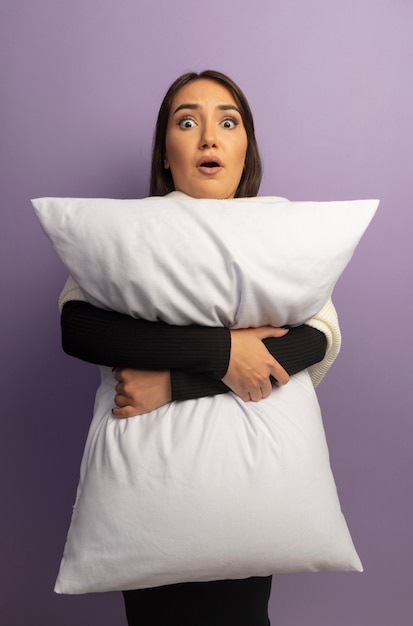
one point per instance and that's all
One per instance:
(141, 391)
(251, 365)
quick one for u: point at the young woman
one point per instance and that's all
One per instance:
(204, 147)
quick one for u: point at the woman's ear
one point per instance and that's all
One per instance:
(166, 163)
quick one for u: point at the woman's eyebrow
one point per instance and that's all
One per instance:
(220, 107)
(186, 106)
(228, 107)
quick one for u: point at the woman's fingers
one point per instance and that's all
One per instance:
(140, 391)
(251, 367)
(126, 411)
(280, 376)
(262, 390)
(264, 332)
(121, 400)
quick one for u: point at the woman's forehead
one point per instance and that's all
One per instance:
(202, 92)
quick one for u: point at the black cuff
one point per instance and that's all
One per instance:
(190, 386)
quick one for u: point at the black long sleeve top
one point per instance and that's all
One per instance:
(196, 356)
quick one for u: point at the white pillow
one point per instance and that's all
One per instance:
(207, 262)
(213, 488)
(205, 489)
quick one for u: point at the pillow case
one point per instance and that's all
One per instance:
(212, 488)
(205, 489)
(231, 263)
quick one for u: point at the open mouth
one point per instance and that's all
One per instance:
(210, 164)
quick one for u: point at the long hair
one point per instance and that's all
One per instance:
(161, 181)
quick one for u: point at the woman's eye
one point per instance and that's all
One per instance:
(229, 123)
(187, 122)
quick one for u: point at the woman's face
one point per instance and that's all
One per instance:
(206, 142)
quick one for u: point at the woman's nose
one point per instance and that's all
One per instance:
(208, 137)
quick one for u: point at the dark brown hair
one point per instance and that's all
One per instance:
(161, 181)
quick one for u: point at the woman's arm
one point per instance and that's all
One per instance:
(141, 391)
(188, 360)
(112, 339)
(301, 348)
(116, 340)
(109, 338)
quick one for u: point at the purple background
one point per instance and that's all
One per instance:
(330, 83)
